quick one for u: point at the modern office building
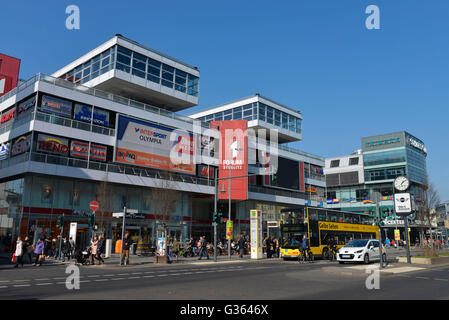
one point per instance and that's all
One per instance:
(442, 221)
(363, 180)
(105, 128)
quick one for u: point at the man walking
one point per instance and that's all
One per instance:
(126, 245)
(100, 250)
(241, 246)
(203, 248)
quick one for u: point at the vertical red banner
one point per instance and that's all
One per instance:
(233, 160)
(9, 73)
(302, 186)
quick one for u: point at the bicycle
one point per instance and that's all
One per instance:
(306, 256)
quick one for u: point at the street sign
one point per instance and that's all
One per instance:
(402, 204)
(94, 206)
(256, 234)
(117, 214)
(132, 211)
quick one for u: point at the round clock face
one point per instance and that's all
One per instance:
(401, 183)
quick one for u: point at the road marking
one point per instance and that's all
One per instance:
(134, 278)
(60, 282)
(44, 284)
(43, 279)
(137, 273)
(99, 280)
(96, 276)
(148, 276)
(425, 278)
(85, 281)
(149, 272)
(4, 281)
(440, 279)
(162, 275)
(118, 279)
(3, 287)
(59, 278)
(22, 285)
(175, 274)
(122, 274)
(109, 275)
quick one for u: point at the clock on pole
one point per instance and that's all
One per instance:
(401, 183)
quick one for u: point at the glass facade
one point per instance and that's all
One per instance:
(258, 111)
(381, 158)
(416, 165)
(138, 65)
(384, 173)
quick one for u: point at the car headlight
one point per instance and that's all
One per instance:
(360, 251)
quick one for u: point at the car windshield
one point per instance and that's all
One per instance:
(356, 243)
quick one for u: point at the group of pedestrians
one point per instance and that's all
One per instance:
(272, 247)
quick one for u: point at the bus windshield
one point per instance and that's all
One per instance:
(292, 234)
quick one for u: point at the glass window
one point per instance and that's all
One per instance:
(138, 56)
(122, 67)
(277, 118)
(124, 51)
(167, 75)
(353, 161)
(335, 163)
(105, 62)
(227, 115)
(106, 53)
(284, 120)
(154, 70)
(298, 125)
(180, 80)
(124, 59)
(139, 65)
(192, 84)
(291, 123)
(255, 110)
(237, 113)
(261, 111)
(219, 116)
(270, 114)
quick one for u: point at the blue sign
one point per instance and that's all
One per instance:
(4, 150)
(84, 113)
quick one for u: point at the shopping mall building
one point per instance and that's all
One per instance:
(106, 127)
(364, 179)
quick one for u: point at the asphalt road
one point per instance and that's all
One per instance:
(249, 280)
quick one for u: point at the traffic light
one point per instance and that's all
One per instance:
(60, 222)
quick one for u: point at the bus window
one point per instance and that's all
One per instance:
(332, 217)
(322, 216)
(339, 217)
(313, 215)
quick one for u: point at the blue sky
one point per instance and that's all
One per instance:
(316, 56)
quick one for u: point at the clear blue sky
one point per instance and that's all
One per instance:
(317, 56)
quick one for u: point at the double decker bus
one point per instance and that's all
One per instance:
(320, 225)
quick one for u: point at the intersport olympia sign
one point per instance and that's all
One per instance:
(146, 144)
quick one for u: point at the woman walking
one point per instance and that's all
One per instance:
(39, 252)
(94, 247)
(19, 253)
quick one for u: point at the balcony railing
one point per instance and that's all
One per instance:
(101, 94)
(105, 167)
(286, 193)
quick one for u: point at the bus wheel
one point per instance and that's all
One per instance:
(325, 254)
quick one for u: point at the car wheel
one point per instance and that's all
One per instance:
(366, 258)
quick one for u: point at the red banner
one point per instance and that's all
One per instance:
(233, 159)
(9, 73)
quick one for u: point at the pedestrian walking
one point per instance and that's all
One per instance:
(39, 252)
(203, 248)
(269, 247)
(28, 252)
(19, 252)
(94, 247)
(72, 247)
(127, 242)
(100, 250)
(65, 249)
(242, 246)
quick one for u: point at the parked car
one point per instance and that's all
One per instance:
(363, 250)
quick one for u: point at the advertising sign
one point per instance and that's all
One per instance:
(397, 235)
(9, 73)
(402, 204)
(233, 157)
(57, 106)
(26, 105)
(4, 151)
(205, 171)
(73, 227)
(146, 144)
(84, 113)
(229, 230)
(7, 115)
(52, 144)
(160, 246)
(21, 145)
(256, 234)
(80, 149)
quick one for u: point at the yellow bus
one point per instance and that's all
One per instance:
(320, 225)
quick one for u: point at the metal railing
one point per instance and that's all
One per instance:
(105, 167)
(101, 94)
(286, 193)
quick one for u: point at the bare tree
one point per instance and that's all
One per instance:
(427, 201)
(105, 198)
(164, 199)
